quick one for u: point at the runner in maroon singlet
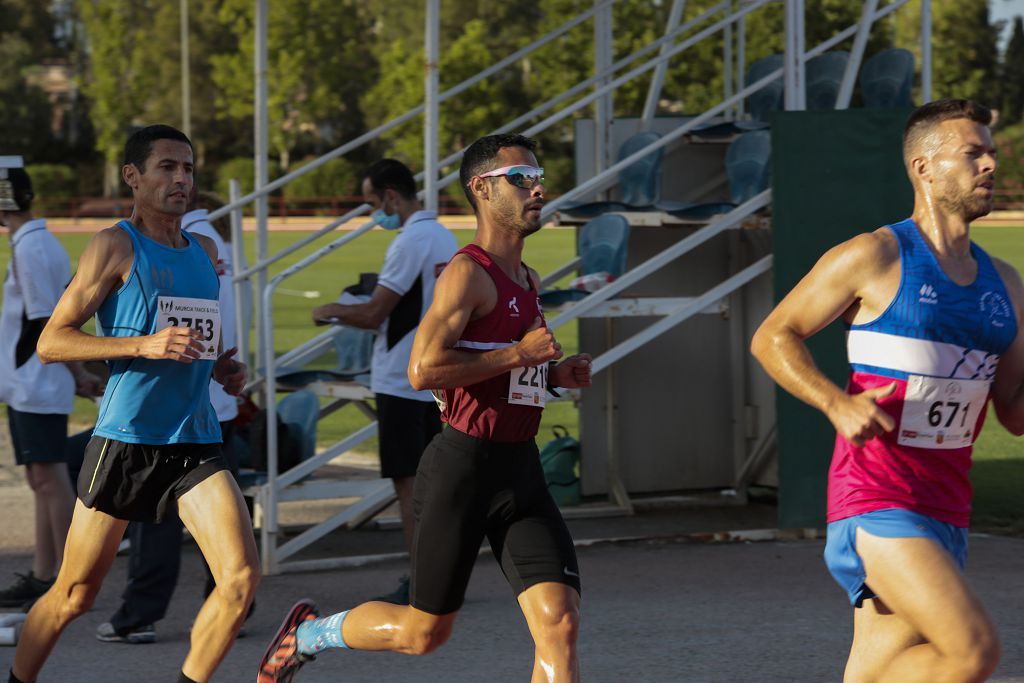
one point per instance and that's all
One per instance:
(484, 349)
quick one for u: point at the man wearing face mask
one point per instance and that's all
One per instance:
(407, 419)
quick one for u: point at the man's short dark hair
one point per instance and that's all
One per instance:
(391, 174)
(927, 116)
(479, 157)
(17, 186)
(140, 144)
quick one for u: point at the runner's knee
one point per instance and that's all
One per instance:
(78, 601)
(422, 639)
(238, 585)
(981, 657)
(559, 627)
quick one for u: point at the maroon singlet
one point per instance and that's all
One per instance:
(482, 410)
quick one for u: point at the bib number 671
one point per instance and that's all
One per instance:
(936, 413)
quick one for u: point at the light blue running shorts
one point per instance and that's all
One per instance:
(845, 564)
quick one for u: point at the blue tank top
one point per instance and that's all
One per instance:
(962, 330)
(157, 401)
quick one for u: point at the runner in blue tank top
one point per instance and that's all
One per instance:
(934, 324)
(156, 446)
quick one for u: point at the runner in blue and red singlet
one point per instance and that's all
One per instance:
(933, 334)
(484, 350)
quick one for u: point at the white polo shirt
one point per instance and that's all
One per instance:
(413, 260)
(37, 275)
(224, 404)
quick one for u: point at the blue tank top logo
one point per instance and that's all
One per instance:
(157, 401)
(997, 308)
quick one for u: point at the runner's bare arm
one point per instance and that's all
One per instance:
(1008, 387)
(829, 290)
(102, 268)
(464, 290)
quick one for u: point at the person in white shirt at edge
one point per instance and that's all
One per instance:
(155, 547)
(407, 419)
(39, 398)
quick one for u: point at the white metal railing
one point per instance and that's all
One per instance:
(603, 83)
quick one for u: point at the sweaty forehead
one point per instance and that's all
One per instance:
(959, 132)
(509, 156)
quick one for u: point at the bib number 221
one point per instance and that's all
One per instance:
(527, 386)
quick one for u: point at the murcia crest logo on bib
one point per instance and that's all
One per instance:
(166, 304)
(996, 307)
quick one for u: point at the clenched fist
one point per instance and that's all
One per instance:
(538, 345)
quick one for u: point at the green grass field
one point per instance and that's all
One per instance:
(998, 472)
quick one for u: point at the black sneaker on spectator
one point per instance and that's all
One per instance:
(24, 591)
(135, 636)
(400, 596)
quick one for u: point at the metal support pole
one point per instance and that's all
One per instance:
(741, 61)
(431, 121)
(926, 51)
(793, 73)
(261, 145)
(603, 106)
(270, 529)
(243, 303)
(860, 41)
(738, 357)
(727, 61)
(186, 87)
(675, 15)
(616, 487)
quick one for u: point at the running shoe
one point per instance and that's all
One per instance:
(134, 636)
(24, 591)
(282, 659)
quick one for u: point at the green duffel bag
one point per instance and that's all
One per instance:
(560, 459)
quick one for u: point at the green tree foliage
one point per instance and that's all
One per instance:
(964, 48)
(320, 61)
(340, 67)
(1010, 142)
(1012, 80)
(26, 39)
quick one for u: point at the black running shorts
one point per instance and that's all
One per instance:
(405, 427)
(467, 488)
(142, 483)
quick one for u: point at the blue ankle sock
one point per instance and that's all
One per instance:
(316, 635)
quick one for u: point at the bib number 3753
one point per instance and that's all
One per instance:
(528, 386)
(941, 413)
(202, 315)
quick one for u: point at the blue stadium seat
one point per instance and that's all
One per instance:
(300, 410)
(766, 100)
(748, 168)
(639, 183)
(887, 78)
(824, 77)
(603, 246)
(747, 165)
